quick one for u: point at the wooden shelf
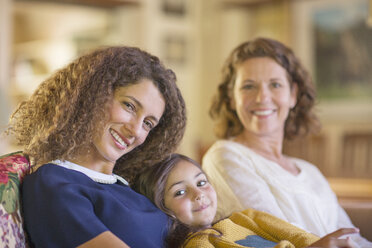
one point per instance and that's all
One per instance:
(350, 189)
(95, 3)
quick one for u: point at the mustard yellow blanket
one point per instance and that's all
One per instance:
(251, 228)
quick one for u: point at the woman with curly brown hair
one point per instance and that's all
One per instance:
(116, 109)
(267, 96)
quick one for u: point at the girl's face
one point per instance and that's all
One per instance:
(262, 96)
(136, 109)
(189, 196)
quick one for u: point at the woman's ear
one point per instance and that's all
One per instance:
(294, 93)
(232, 103)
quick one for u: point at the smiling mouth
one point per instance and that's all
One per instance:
(263, 112)
(118, 140)
(202, 207)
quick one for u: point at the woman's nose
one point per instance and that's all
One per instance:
(135, 127)
(262, 94)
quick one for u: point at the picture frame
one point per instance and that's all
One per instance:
(174, 7)
(175, 49)
(333, 39)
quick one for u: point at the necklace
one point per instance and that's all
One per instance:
(92, 174)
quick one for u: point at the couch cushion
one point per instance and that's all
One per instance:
(13, 168)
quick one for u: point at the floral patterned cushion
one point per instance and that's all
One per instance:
(13, 168)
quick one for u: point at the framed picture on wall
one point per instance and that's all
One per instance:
(336, 42)
(174, 7)
(174, 47)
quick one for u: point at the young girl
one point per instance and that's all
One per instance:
(180, 188)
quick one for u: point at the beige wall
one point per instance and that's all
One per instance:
(210, 29)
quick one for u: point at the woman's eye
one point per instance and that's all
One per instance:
(276, 84)
(248, 86)
(129, 106)
(149, 125)
(202, 183)
(179, 193)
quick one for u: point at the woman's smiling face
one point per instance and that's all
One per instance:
(189, 196)
(135, 110)
(262, 96)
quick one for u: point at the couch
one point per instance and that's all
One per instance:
(13, 167)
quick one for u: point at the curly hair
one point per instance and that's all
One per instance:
(69, 109)
(301, 119)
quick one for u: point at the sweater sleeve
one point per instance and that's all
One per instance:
(237, 183)
(273, 228)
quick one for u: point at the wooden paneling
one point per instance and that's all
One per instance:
(353, 158)
(357, 155)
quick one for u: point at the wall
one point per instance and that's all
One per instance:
(194, 44)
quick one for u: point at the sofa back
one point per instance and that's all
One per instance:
(13, 168)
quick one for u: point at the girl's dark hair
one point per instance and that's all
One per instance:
(301, 119)
(151, 183)
(69, 109)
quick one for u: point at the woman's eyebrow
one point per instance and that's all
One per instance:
(135, 100)
(248, 81)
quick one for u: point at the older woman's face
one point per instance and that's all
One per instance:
(262, 96)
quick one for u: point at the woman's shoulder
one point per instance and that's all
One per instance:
(226, 147)
(226, 153)
(51, 174)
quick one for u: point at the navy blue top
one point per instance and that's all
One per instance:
(65, 208)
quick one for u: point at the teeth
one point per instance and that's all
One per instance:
(263, 112)
(117, 138)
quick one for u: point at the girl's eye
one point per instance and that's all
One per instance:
(202, 183)
(179, 193)
(148, 125)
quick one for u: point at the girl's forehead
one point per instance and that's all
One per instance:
(182, 170)
(186, 166)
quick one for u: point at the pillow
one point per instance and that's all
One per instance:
(13, 168)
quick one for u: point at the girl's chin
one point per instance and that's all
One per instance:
(202, 226)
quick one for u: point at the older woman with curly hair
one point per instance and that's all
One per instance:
(116, 109)
(267, 96)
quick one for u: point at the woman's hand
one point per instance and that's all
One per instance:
(332, 240)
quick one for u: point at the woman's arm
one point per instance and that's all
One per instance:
(105, 239)
(344, 221)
